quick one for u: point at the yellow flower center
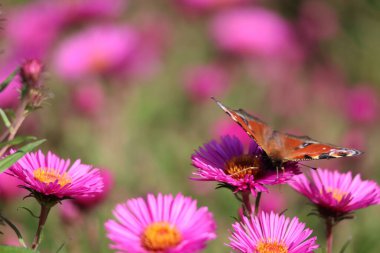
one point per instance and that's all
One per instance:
(160, 236)
(271, 247)
(337, 194)
(239, 167)
(46, 175)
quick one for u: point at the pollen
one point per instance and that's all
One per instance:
(271, 247)
(47, 176)
(239, 167)
(160, 236)
(337, 194)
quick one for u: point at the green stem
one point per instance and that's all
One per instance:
(43, 217)
(257, 203)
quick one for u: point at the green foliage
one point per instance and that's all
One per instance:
(11, 249)
(13, 158)
(7, 81)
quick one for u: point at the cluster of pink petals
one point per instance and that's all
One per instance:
(196, 225)
(211, 159)
(84, 180)
(271, 228)
(337, 193)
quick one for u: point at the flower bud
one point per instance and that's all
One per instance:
(31, 72)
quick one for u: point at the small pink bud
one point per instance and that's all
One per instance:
(31, 72)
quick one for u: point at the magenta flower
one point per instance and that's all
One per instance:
(203, 82)
(337, 194)
(160, 224)
(88, 98)
(95, 51)
(48, 176)
(270, 232)
(362, 104)
(9, 187)
(227, 163)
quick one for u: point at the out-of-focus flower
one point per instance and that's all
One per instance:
(30, 72)
(50, 178)
(227, 163)
(227, 127)
(160, 224)
(255, 32)
(10, 96)
(207, 5)
(32, 28)
(69, 213)
(85, 10)
(362, 104)
(88, 98)
(95, 51)
(273, 201)
(203, 82)
(270, 232)
(89, 202)
(318, 21)
(9, 187)
(336, 194)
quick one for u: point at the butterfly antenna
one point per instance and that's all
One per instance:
(313, 168)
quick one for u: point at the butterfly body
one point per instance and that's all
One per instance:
(282, 147)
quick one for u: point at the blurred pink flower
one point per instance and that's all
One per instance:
(32, 28)
(271, 232)
(69, 212)
(337, 194)
(89, 202)
(165, 223)
(95, 51)
(207, 5)
(255, 32)
(88, 98)
(203, 82)
(9, 187)
(228, 127)
(9, 97)
(273, 201)
(362, 104)
(318, 20)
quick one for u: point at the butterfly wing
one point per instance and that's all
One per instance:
(298, 148)
(255, 128)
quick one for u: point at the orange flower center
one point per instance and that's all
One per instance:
(160, 236)
(271, 247)
(99, 62)
(239, 167)
(46, 175)
(337, 194)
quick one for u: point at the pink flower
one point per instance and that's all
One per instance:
(227, 163)
(88, 99)
(227, 127)
(270, 232)
(254, 32)
(273, 200)
(89, 202)
(160, 224)
(9, 187)
(203, 82)
(53, 177)
(337, 194)
(95, 51)
(362, 104)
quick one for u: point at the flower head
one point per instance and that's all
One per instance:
(160, 224)
(270, 232)
(227, 162)
(50, 178)
(337, 194)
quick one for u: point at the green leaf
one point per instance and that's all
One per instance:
(9, 79)
(8, 161)
(345, 246)
(6, 121)
(11, 249)
(18, 140)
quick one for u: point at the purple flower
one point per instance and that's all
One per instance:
(160, 224)
(337, 194)
(227, 162)
(50, 176)
(270, 232)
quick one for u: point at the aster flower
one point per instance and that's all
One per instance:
(49, 177)
(270, 232)
(227, 162)
(160, 224)
(337, 194)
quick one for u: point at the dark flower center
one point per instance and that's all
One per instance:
(240, 166)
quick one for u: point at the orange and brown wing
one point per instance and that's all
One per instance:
(254, 127)
(298, 148)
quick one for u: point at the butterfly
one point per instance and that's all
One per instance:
(282, 147)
